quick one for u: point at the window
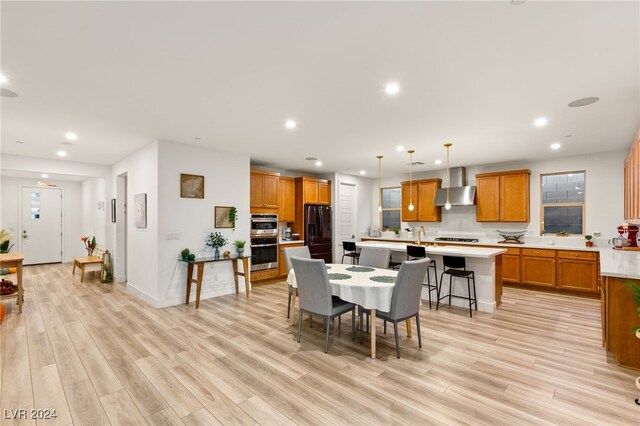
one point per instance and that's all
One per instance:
(562, 197)
(391, 203)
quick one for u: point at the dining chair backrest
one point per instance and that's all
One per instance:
(374, 257)
(454, 262)
(405, 299)
(416, 252)
(348, 246)
(295, 251)
(314, 290)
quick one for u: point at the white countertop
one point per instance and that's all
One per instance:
(290, 242)
(477, 252)
(620, 263)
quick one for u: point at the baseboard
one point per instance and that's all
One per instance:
(121, 279)
(142, 295)
(180, 299)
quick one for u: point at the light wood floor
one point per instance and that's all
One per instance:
(97, 355)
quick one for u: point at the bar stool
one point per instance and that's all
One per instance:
(349, 250)
(457, 267)
(419, 252)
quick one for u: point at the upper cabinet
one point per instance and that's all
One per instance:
(287, 206)
(423, 194)
(313, 191)
(503, 196)
(264, 191)
(632, 183)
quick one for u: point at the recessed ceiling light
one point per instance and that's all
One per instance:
(362, 172)
(400, 148)
(392, 88)
(568, 136)
(44, 176)
(61, 153)
(20, 142)
(71, 136)
(6, 93)
(555, 146)
(3, 79)
(540, 122)
(197, 138)
(290, 124)
(318, 163)
(584, 102)
(438, 161)
(311, 158)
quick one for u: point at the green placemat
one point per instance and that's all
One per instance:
(383, 279)
(339, 276)
(327, 266)
(360, 269)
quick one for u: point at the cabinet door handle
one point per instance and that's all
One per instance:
(559, 261)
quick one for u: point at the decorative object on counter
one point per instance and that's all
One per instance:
(619, 242)
(113, 210)
(562, 234)
(191, 186)
(106, 271)
(140, 203)
(410, 206)
(588, 243)
(225, 217)
(397, 232)
(89, 244)
(379, 157)
(240, 246)
(630, 233)
(226, 254)
(447, 205)
(215, 241)
(184, 254)
(512, 237)
(409, 233)
(5, 240)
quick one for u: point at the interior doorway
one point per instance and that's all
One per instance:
(347, 214)
(120, 263)
(41, 230)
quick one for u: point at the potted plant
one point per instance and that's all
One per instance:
(588, 243)
(240, 246)
(215, 241)
(5, 240)
(397, 231)
(562, 234)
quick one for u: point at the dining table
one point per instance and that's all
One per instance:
(366, 286)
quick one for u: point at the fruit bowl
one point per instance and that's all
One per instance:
(514, 237)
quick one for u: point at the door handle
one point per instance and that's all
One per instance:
(25, 236)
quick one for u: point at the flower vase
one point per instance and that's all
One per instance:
(240, 252)
(216, 253)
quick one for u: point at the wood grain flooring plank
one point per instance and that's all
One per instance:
(121, 409)
(166, 417)
(84, 404)
(143, 393)
(48, 394)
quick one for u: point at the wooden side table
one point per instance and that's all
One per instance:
(199, 263)
(14, 260)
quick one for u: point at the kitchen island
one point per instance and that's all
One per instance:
(485, 262)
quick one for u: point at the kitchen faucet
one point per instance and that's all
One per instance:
(421, 233)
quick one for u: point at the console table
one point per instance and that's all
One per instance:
(14, 260)
(199, 263)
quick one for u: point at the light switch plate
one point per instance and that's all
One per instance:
(173, 235)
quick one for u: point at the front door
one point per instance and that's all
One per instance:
(41, 232)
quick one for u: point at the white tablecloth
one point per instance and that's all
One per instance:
(358, 288)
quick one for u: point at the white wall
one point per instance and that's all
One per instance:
(604, 194)
(142, 244)
(94, 209)
(226, 184)
(72, 205)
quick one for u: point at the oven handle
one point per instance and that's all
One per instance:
(264, 245)
(264, 220)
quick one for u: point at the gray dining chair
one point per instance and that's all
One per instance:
(405, 299)
(314, 296)
(374, 257)
(288, 253)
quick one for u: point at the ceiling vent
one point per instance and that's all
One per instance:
(416, 163)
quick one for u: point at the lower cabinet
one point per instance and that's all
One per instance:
(511, 268)
(281, 260)
(539, 271)
(619, 317)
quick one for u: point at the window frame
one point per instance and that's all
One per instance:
(390, 209)
(583, 204)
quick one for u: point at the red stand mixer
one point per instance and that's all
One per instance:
(628, 236)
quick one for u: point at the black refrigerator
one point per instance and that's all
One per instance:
(317, 231)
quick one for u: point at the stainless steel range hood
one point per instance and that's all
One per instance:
(460, 194)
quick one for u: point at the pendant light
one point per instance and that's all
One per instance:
(379, 157)
(410, 206)
(447, 205)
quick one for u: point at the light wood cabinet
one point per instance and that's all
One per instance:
(618, 319)
(503, 196)
(423, 194)
(264, 193)
(324, 193)
(540, 271)
(287, 204)
(511, 268)
(282, 263)
(314, 191)
(310, 192)
(578, 275)
(632, 183)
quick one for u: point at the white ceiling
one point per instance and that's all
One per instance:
(122, 74)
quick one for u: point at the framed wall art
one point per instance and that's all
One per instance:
(191, 186)
(224, 217)
(140, 201)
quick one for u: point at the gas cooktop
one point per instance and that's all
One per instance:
(457, 240)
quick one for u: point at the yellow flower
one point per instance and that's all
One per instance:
(4, 236)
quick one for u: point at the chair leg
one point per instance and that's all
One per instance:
(342, 261)
(289, 305)
(418, 327)
(450, 288)
(367, 315)
(340, 320)
(310, 321)
(326, 339)
(470, 299)
(353, 324)
(429, 286)
(361, 317)
(395, 332)
(299, 325)
(475, 295)
(438, 291)
(384, 327)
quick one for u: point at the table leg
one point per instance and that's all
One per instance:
(189, 278)
(20, 289)
(74, 268)
(373, 333)
(294, 296)
(235, 273)
(408, 323)
(247, 277)
(82, 273)
(199, 283)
